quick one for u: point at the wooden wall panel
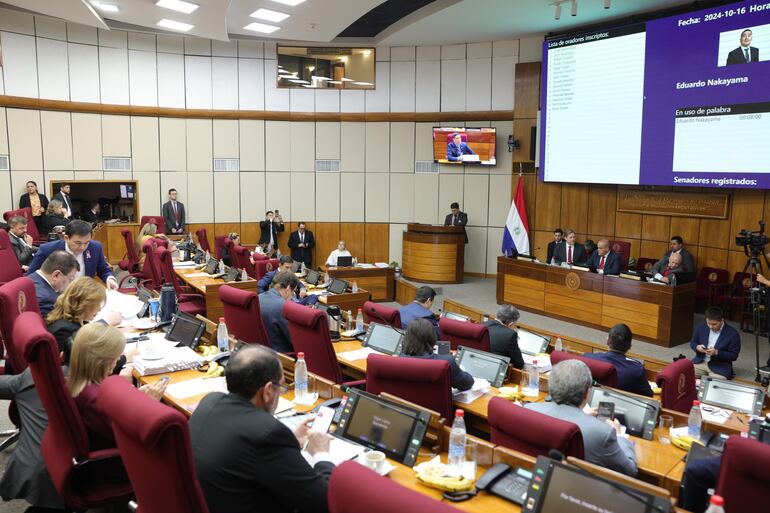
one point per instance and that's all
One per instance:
(522, 131)
(541, 244)
(714, 233)
(210, 228)
(656, 227)
(250, 233)
(548, 205)
(736, 260)
(376, 241)
(747, 206)
(628, 225)
(602, 202)
(574, 207)
(653, 249)
(712, 257)
(526, 91)
(687, 228)
(353, 235)
(326, 237)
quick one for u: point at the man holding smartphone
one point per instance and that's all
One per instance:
(269, 229)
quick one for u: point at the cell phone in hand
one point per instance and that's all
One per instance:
(606, 411)
(323, 420)
(165, 379)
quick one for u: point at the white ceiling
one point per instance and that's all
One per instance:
(442, 22)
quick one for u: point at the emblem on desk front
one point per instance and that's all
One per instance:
(572, 281)
(680, 388)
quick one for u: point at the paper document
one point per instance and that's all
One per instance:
(198, 386)
(381, 265)
(127, 305)
(283, 405)
(342, 450)
(184, 264)
(715, 414)
(365, 266)
(358, 354)
(196, 275)
(479, 388)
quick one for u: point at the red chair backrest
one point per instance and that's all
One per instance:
(151, 267)
(532, 432)
(354, 488)
(709, 275)
(239, 257)
(66, 439)
(156, 220)
(243, 315)
(265, 266)
(203, 239)
(10, 268)
(645, 264)
(382, 314)
(603, 372)
(743, 481)
(309, 332)
(677, 384)
(219, 243)
(468, 334)
(419, 380)
(31, 226)
(623, 249)
(165, 262)
(16, 297)
(259, 256)
(158, 439)
(133, 256)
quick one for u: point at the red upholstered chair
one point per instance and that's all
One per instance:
(468, 334)
(603, 372)
(16, 297)
(710, 279)
(131, 261)
(418, 380)
(32, 230)
(10, 268)
(187, 301)
(203, 239)
(259, 256)
(732, 296)
(219, 243)
(645, 264)
(532, 432)
(242, 315)
(264, 266)
(354, 488)
(622, 248)
(677, 384)
(743, 480)
(151, 269)
(156, 220)
(240, 258)
(158, 439)
(74, 469)
(374, 312)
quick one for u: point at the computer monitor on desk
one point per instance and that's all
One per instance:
(638, 414)
(344, 261)
(741, 397)
(532, 343)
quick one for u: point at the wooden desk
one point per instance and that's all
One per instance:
(348, 301)
(113, 244)
(433, 254)
(381, 283)
(209, 287)
(659, 314)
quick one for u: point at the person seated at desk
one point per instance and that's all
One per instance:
(569, 384)
(716, 345)
(570, 252)
(58, 271)
(674, 273)
(631, 376)
(55, 215)
(604, 260)
(21, 241)
(233, 236)
(420, 308)
(340, 251)
(676, 246)
(503, 339)
(92, 214)
(419, 341)
(77, 242)
(590, 246)
(301, 296)
(150, 231)
(246, 460)
(558, 240)
(699, 477)
(457, 148)
(271, 307)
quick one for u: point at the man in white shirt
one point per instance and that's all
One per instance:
(340, 251)
(716, 344)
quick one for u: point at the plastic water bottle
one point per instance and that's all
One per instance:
(208, 257)
(717, 504)
(221, 267)
(354, 288)
(303, 269)
(485, 318)
(244, 275)
(694, 420)
(223, 338)
(360, 321)
(456, 458)
(300, 379)
(350, 320)
(533, 380)
(559, 345)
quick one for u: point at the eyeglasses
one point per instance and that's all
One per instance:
(282, 388)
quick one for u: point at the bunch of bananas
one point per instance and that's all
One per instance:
(215, 370)
(446, 484)
(206, 351)
(684, 442)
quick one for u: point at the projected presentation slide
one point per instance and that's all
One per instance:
(682, 100)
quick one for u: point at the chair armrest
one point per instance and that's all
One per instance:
(96, 456)
(361, 383)
(190, 297)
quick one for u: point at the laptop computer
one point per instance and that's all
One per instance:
(384, 339)
(186, 330)
(296, 267)
(531, 344)
(481, 364)
(456, 316)
(313, 277)
(345, 261)
(337, 286)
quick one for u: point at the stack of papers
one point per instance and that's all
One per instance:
(365, 266)
(127, 305)
(358, 354)
(199, 386)
(176, 359)
(381, 265)
(188, 263)
(479, 388)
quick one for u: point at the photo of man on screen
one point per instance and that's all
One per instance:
(457, 148)
(745, 53)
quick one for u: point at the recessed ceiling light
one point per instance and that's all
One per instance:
(289, 2)
(106, 7)
(344, 79)
(268, 15)
(334, 82)
(366, 53)
(299, 81)
(320, 78)
(177, 5)
(363, 83)
(175, 25)
(261, 27)
(308, 86)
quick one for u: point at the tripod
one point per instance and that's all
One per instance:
(756, 295)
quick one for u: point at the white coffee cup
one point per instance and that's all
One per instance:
(375, 460)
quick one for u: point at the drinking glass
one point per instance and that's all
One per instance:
(471, 454)
(664, 429)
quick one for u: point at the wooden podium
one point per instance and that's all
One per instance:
(433, 254)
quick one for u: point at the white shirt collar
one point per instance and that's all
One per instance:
(80, 259)
(40, 273)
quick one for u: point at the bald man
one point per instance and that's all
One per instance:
(604, 260)
(674, 273)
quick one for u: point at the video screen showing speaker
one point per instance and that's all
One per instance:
(460, 145)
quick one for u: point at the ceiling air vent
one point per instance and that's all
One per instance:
(5, 164)
(227, 165)
(327, 166)
(425, 166)
(116, 163)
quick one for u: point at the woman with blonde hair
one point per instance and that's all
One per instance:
(149, 231)
(55, 215)
(95, 353)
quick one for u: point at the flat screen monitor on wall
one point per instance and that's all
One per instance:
(681, 100)
(459, 145)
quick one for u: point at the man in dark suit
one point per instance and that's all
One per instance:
(674, 273)
(570, 252)
(558, 240)
(21, 241)
(88, 253)
(604, 260)
(173, 213)
(457, 148)
(745, 53)
(246, 460)
(271, 307)
(676, 245)
(58, 271)
(269, 229)
(700, 475)
(64, 196)
(716, 345)
(457, 218)
(631, 377)
(92, 215)
(503, 339)
(420, 308)
(301, 243)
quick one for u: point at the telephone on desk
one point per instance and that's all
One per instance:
(502, 480)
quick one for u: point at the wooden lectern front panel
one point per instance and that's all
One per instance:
(425, 261)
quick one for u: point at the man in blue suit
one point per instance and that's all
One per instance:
(457, 148)
(604, 260)
(271, 308)
(58, 271)
(420, 308)
(631, 377)
(88, 253)
(716, 345)
(285, 264)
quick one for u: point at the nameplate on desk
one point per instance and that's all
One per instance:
(525, 258)
(634, 277)
(580, 268)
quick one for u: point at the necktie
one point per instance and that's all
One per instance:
(302, 238)
(176, 212)
(569, 254)
(601, 263)
(454, 220)
(746, 54)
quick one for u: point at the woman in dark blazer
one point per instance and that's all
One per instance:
(37, 202)
(418, 343)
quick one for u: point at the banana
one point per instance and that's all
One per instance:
(684, 442)
(213, 369)
(446, 484)
(219, 371)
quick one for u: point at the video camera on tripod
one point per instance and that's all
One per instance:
(753, 242)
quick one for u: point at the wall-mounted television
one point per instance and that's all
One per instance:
(462, 145)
